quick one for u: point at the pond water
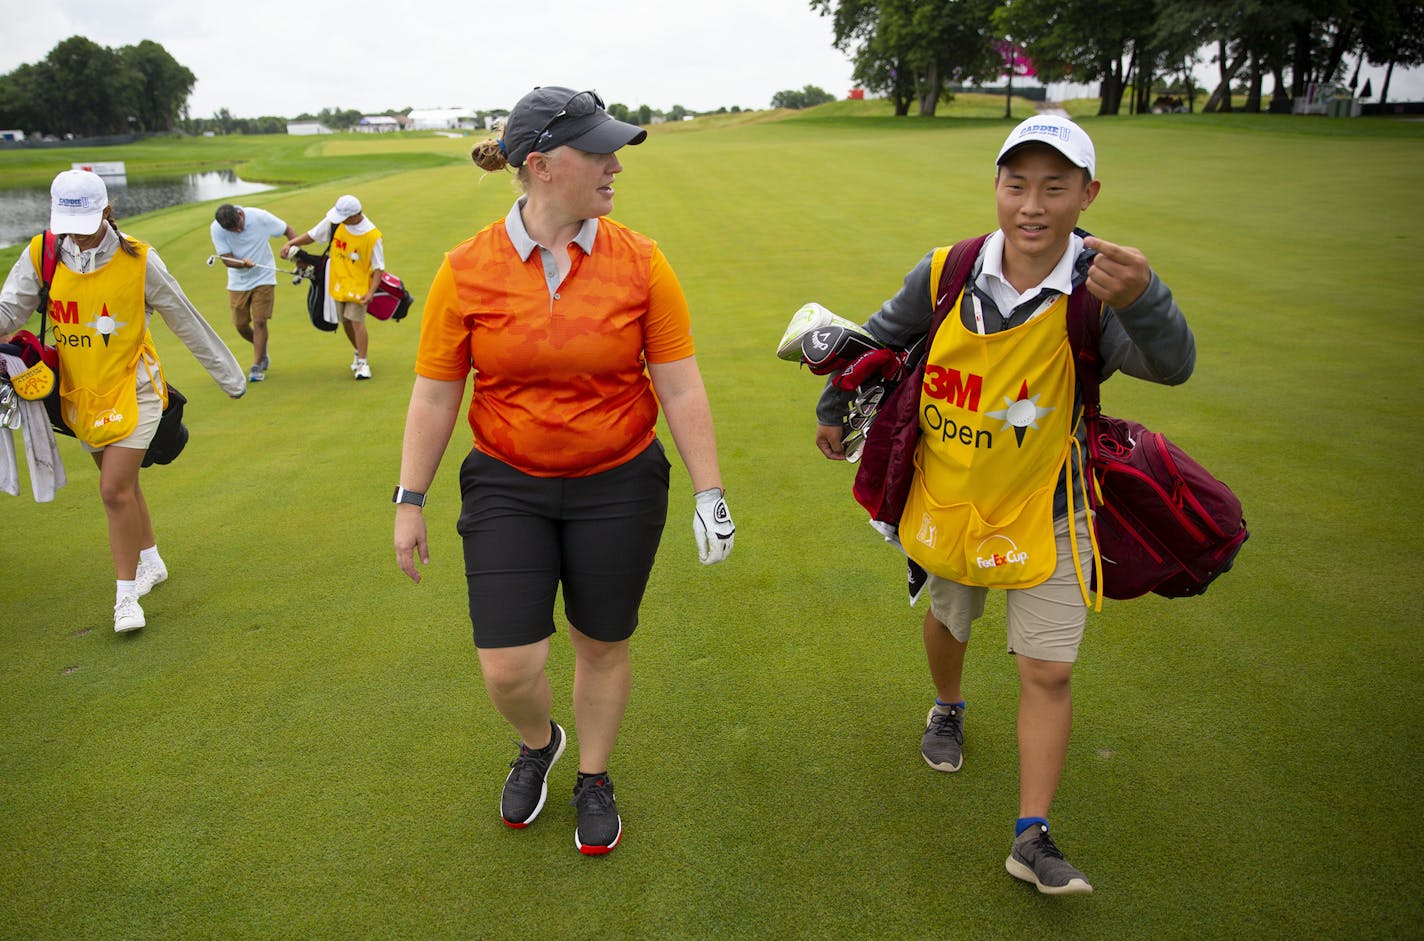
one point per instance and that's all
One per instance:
(25, 212)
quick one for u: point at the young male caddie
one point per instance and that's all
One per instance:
(999, 411)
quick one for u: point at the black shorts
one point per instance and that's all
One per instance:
(525, 536)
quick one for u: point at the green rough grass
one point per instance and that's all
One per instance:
(299, 744)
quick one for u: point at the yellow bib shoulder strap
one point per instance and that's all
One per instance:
(941, 255)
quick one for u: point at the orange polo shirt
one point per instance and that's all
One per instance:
(560, 387)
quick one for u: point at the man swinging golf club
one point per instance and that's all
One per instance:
(240, 238)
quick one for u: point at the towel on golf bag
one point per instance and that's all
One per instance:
(316, 291)
(41, 453)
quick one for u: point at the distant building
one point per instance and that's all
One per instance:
(377, 124)
(443, 119)
(12, 135)
(302, 128)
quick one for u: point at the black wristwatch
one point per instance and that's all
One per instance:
(403, 495)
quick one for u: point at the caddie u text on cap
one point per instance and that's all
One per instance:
(1062, 135)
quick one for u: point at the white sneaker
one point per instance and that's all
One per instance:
(363, 369)
(148, 576)
(355, 363)
(128, 616)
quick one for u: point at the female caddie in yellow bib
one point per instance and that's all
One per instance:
(98, 288)
(100, 328)
(995, 412)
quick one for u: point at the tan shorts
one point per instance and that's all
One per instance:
(254, 306)
(350, 310)
(150, 410)
(1045, 622)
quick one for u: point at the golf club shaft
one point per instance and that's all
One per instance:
(215, 258)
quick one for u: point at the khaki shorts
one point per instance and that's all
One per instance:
(254, 306)
(1045, 622)
(150, 410)
(350, 310)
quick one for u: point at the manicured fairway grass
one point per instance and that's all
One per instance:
(299, 745)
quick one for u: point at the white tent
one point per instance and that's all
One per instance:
(443, 119)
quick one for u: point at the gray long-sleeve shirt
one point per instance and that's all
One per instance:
(161, 292)
(1148, 339)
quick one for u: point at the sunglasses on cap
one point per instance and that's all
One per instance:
(580, 105)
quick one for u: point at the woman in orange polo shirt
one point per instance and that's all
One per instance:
(575, 329)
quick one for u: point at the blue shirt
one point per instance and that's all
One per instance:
(258, 227)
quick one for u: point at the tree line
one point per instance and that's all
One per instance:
(912, 50)
(87, 90)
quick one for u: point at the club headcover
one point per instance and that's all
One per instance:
(832, 348)
(810, 317)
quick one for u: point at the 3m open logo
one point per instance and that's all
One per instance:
(998, 551)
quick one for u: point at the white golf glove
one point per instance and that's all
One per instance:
(712, 526)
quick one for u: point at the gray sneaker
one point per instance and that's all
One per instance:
(943, 742)
(526, 786)
(1035, 859)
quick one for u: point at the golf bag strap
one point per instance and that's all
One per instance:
(949, 273)
(1084, 335)
(1085, 314)
(49, 260)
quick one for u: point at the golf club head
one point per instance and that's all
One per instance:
(810, 317)
(863, 409)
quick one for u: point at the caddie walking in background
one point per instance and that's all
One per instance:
(998, 413)
(353, 273)
(241, 239)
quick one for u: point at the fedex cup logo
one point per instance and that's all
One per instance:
(1003, 552)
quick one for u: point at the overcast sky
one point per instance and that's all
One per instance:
(259, 58)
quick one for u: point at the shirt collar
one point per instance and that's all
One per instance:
(1060, 279)
(524, 245)
(360, 228)
(94, 258)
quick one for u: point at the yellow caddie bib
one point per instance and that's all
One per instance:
(995, 418)
(349, 270)
(100, 329)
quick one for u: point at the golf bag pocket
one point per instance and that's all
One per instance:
(1163, 523)
(391, 301)
(172, 435)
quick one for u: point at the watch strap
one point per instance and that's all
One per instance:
(403, 495)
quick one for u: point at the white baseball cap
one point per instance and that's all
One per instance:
(1062, 135)
(77, 199)
(346, 207)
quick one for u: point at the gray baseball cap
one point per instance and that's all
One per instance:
(552, 116)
